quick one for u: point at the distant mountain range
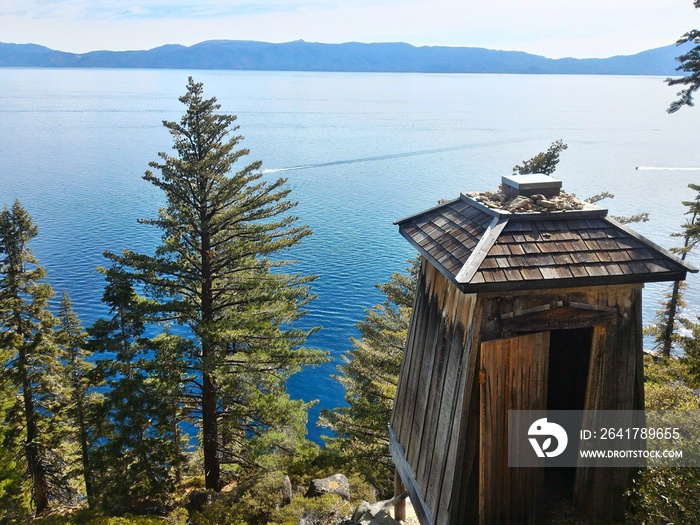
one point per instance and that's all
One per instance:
(309, 56)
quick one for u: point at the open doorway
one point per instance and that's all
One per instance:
(567, 377)
(567, 374)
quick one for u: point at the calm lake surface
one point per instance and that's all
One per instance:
(360, 151)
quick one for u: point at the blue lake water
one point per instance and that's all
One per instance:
(360, 151)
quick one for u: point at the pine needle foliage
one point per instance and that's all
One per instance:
(665, 327)
(690, 65)
(73, 350)
(370, 374)
(32, 367)
(134, 452)
(14, 503)
(544, 162)
(219, 272)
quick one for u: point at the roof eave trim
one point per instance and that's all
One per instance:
(575, 282)
(653, 245)
(481, 250)
(416, 215)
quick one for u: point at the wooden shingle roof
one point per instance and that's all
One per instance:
(483, 249)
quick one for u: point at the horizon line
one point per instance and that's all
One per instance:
(219, 40)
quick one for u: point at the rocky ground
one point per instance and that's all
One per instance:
(520, 204)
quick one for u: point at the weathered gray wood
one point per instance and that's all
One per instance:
(485, 244)
(416, 351)
(403, 469)
(397, 416)
(461, 494)
(459, 312)
(400, 507)
(436, 417)
(423, 376)
(437, 382)
(613, 384)
(564, 317)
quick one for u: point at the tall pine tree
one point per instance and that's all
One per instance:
(14, 490)
(32, 366)
(664, 328)
(370, 374)
(72, 342)
(690, 65)
(218, 272)
(133, 456)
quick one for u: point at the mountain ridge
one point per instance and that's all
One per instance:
(299, 55)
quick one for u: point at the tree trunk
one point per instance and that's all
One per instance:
(212, 469)
(32, 451)
(85, 451)
(176, 444)
(670, 322)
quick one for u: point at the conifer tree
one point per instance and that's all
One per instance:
(218, 271)
(369, 374)
(168, 369)
(14, 503)
(664, 329)
(132, 456)
(544, 162)
(32, 367)
(72, 341)
(690, 65)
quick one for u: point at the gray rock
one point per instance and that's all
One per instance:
(368, 512)
(547, 204)
(363, 512)
(335, 484)
(520, 203)
(382, 518)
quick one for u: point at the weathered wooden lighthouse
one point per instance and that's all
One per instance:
(534, 304)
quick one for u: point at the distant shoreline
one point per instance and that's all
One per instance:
(348, 57)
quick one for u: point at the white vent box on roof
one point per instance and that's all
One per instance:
(528, 185)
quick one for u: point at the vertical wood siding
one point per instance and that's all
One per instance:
(513, 377)
(427, 413)
(436, 422)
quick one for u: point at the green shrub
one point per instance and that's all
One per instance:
(251, 503)
(85, 517)
(319, 509)
(659, 496)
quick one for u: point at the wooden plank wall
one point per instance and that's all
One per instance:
(514, 378)
(615, 381)
(436, 414)
(430, 395)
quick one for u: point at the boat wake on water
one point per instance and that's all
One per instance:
(664, 168)
(380, 157)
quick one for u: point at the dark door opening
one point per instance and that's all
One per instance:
(567, 377)
(569, 358)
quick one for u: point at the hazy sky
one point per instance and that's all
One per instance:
(553, 28)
